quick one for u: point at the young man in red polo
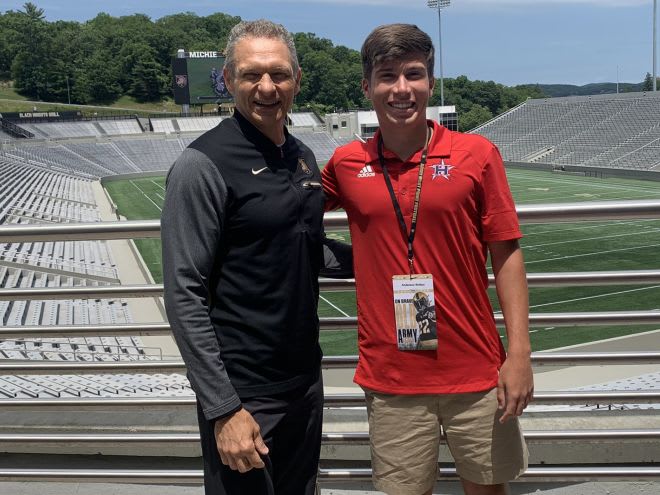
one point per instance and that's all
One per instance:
(425, 207)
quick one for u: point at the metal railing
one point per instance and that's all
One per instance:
(329, 362)
(335, 221)
(194, 476)
(331, 400)
(334, 438)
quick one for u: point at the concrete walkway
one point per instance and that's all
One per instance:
(444, 488)
(133, 271)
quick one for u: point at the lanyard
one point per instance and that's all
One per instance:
(397, 208)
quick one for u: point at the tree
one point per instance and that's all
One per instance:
(647, 85)
(30, 67)
(477, 115)
(149, 82)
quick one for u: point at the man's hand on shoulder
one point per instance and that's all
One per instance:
(239, 442)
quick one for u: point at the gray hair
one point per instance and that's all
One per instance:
(260, 28)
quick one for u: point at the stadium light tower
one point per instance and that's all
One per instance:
(655, 58)
(439, 5)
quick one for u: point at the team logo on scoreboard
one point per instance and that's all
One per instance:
(181, 80)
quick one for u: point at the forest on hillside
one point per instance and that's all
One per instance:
(104, 58)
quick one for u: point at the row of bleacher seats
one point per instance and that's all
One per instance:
(101, 385)
(56, 312)
(90, 259)
(121, 156)
(619, 131)
(88, 349)
(98, 128)
(130, 127)
(100, 159)
(305, 119)
(41, 193)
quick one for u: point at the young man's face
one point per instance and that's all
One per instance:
(400, 91)
(264, 84)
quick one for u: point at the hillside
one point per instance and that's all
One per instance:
(557, 90)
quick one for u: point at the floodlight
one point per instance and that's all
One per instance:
(438, 4)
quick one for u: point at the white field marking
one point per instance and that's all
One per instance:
(607, 294)
(563, 187)
(597, 226)
(154, 182)
(143, 194)
(614, 236)
(591, 254)
(597, 296)
(160, 196)
(594, 184)
(338, 309)
(600, 197)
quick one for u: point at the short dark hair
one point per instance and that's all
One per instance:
(396, 41)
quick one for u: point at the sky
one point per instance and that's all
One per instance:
(507, 41)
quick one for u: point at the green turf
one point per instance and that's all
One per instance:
(556, 247)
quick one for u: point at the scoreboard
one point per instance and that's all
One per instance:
(197, 78)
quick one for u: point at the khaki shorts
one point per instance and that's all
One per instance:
(405, 432)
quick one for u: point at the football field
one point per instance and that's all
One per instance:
(558, 247)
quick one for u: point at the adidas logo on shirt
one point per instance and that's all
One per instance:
(367, 171)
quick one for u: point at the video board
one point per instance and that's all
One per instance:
(198, 79)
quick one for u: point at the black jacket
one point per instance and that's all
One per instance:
(242, 232)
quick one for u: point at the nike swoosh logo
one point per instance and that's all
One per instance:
(257, 172)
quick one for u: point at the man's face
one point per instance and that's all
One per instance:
(264, 84)
(399, 91)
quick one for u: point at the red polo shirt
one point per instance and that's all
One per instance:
(465, 203)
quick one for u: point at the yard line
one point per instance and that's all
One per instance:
(613, 236)
(143, 194)
(338, 309)
(591, 254)
(154, 182)
(161, 197)
(589, 227)
(607, 294)
(593, 184)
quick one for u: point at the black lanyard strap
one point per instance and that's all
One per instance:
(410, 236)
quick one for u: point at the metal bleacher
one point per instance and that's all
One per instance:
(612, 131)
(31, 195)
(304, 119)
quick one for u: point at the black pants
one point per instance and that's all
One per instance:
(290, 425)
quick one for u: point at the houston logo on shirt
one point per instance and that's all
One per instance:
(441, 170)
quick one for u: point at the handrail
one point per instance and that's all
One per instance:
(330, 438)
(333, 400)
(333, 221)
(188, 476)
(334, 323)
(329, 362)
(540, 279)
(540, 398)
(553, 473)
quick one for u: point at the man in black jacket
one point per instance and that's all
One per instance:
(242, 232)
